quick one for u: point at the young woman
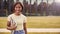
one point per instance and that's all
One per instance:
(17, 21)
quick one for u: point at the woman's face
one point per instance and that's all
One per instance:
(18, 8)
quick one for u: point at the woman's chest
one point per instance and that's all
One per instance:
(18, 20)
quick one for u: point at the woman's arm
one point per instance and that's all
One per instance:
(24, 25)
(9, 27)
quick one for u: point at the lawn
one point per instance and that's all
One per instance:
(37, 22)
(36, 33)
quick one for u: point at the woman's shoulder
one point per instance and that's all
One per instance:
(23, 16)
(10, 15)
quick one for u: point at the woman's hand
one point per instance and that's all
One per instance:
(11, 27)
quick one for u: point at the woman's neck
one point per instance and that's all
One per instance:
(17, 14)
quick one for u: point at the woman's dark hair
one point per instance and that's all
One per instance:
(13, 8)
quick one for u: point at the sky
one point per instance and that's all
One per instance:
(38, 1)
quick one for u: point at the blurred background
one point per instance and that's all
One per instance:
(40, 14)
(32, 7)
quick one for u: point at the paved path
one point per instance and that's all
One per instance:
(36, 30)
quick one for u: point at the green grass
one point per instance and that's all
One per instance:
(3, 22)
(37, 22)
(44, 22)
(35, 33)
(5, 33)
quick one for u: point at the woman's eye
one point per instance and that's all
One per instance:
(17, 7)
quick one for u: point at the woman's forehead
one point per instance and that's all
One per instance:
(18, 5)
